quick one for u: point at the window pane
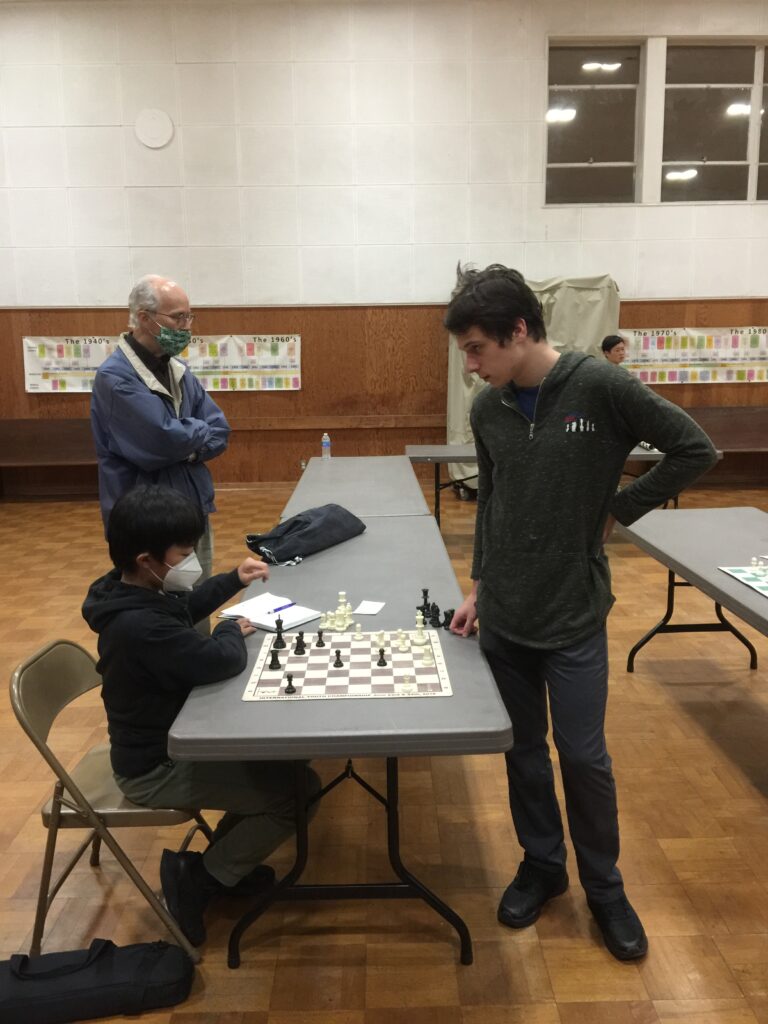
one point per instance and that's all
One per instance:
(762, 181)
(603, 128)
(590, 184)
(698, 127)
(688, 65)
(566, 65)
(712, 182)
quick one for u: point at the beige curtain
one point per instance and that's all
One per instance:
(578, 313)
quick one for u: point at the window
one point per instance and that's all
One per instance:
(591, 124)
(707, 106)
(688, 127)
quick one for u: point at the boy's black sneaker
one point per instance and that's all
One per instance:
(187, 888)
(531, 888)
(622, 929)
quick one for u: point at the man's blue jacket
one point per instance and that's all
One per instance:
(145, 434)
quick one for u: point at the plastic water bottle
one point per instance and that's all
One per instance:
(325, 446)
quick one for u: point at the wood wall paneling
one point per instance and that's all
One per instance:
(374, 377)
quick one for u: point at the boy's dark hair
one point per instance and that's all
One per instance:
(610, 341)
(151, 518)
(493, 300)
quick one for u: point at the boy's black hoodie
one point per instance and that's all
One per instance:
(151, 656)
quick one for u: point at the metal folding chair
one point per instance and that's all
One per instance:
(87, 797)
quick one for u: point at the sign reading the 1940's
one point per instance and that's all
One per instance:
(226, 362)
(695, 355)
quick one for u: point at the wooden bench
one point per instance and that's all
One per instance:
(62, 449)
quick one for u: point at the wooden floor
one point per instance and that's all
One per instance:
(688, 733)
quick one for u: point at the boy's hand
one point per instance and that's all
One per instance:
(252, 569)
(246, 627)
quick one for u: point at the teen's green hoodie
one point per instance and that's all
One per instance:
(547, 486)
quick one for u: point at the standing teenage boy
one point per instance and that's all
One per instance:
(552, 434)
(150, 658)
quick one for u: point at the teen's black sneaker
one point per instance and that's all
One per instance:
(187, 888)
(622, 929)
(530, 889)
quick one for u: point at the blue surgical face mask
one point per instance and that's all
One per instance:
(172, 340)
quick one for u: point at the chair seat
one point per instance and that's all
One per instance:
(93, 775)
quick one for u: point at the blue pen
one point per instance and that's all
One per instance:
(282, 607)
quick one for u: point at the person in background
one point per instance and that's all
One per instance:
(552, 433)
(152, 420)
(614, 349)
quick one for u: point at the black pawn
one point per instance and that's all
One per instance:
(382, 660)
(338, 663)
(279, 644)
(274, 661)
(300, 647)
(447, 617)
(434, 616)
(320, 642)
(290, 688)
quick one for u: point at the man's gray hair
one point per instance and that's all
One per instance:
(143, 296)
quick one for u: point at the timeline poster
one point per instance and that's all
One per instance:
(246, 362)
(693, 355)
(227, 362)
(65, 366)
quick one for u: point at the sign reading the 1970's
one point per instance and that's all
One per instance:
(694, 355)
(227, 362)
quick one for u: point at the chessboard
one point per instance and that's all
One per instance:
(755, 577)
(316, 678)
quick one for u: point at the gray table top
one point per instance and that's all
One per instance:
(382, 485)
(467, 453)
(390, 562)
(694, 542)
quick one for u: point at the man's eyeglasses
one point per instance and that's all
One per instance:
(178, 318)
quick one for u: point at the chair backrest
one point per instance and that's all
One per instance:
(44, 684)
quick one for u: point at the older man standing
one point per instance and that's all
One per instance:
(152, 420)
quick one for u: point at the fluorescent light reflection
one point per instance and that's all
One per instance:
(560, 115)
(738, 110)
(685, 175)
(594, 65)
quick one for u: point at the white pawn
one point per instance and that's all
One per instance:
(340, 622)
(323, 623)
(402, 641)
(358, 634)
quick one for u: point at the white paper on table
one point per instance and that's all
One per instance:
(369, 607)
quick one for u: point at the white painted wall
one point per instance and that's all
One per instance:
(326, 152)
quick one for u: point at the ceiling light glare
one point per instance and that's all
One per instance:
(738, 110)
(686, 175)
(594, 65)
(560, 115)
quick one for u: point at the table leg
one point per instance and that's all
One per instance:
(437, 494)
(408, 886)
(722, 625)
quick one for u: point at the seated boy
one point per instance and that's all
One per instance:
(150, 658)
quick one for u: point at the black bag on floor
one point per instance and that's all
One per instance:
(313, 530)
(102, 981)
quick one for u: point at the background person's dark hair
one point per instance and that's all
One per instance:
(610, 341)
(493, 300)
(151, 518)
